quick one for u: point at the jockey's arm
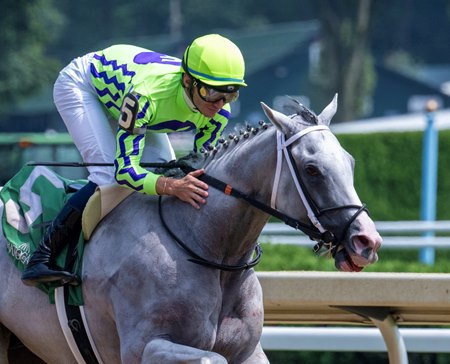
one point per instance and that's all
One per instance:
(130, 142)
(190, 189)
(128, 172)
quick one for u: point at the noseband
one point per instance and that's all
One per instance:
(328, 240)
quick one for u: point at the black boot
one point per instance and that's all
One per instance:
(42, 267)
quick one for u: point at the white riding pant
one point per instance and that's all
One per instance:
(92, 128)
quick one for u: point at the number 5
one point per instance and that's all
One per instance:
(128, 112)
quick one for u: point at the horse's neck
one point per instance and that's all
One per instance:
(227, 225)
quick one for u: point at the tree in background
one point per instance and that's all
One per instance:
(28, 27)
(355, 34)
(345, 62)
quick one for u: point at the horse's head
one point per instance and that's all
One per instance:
(314, 180)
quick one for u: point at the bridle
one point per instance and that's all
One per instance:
(325, 239)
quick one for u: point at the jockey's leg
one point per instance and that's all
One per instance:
(77, 103)
(42, 265)
(157, 148)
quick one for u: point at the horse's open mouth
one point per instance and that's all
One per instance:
(344, 262)
(360, 252)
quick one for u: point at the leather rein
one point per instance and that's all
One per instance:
(324, 238)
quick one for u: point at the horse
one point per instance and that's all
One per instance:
(165, 283)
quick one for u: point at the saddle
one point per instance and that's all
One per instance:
(100, 204)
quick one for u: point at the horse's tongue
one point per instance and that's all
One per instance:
(344, 263)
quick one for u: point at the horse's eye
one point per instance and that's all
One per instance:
(312, 171)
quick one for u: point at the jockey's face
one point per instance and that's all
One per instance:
(209, 109)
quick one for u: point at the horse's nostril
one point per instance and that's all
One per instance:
(364, 246)
(361, 243)
(367, 253)
(364, 240)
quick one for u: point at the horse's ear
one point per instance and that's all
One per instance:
(281, 121)
(327, 114)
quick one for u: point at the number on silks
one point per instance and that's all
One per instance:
(128, 112)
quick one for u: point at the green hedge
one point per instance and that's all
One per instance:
(280, 257)
(388, 173)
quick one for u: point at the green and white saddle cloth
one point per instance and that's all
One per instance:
(32, 199)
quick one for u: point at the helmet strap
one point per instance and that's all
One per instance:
(190, 89)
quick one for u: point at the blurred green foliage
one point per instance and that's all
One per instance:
(28, 27)
(279, 257)
(38, 37)
(388, 173)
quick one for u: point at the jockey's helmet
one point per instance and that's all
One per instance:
(215, 60)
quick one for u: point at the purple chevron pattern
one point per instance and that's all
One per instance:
(225, 113)
(114, 65)
(131, 178)
(141, 114)
(108, 81)
(106, 91)
(215, 131)
(174, 125)
(103, 75)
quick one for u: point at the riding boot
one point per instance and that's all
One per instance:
(42, 266)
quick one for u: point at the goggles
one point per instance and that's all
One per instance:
(209, 94)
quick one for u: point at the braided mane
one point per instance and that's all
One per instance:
(198, 159)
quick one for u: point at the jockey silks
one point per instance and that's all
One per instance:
(155, 80)
(89, 93)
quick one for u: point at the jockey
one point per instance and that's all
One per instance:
(150, 94)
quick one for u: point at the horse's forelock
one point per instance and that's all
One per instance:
(302, 113)
(305, 116)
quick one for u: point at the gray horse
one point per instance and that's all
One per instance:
(148, 299)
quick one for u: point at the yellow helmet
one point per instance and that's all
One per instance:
(214, 60)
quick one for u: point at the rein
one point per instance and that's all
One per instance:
(315, 230)
(227, 189)
(324, 238)
(195, 258)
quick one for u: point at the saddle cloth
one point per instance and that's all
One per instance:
(32, 199)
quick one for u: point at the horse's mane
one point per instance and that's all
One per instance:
(198, 159)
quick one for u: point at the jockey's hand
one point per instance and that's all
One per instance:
(188, 189)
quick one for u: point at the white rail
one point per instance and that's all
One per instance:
(396, 234)
(423, 340)
(383, 300)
